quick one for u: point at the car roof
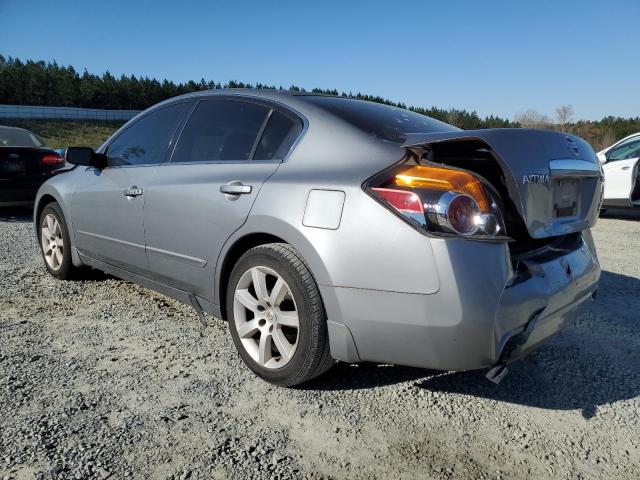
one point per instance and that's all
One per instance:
(288, 99)
(9, 127)
(622, 140)
(295, 100)
(267, 93)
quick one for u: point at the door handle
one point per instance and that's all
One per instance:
(235, 188)
(133, 191)
(626, 168)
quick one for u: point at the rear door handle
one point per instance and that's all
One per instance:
(133, 191)
(625, 168)
(235, 188)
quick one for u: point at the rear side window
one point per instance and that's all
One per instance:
(278, 137)
(147, 140)
(379, 120)
(220, 130)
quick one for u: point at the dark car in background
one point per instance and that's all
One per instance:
(25, 163)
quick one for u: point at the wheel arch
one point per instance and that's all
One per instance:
(234, 253)
(49, 194)
(259, 233)
(43, 201)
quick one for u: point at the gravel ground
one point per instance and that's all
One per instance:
(104, 379)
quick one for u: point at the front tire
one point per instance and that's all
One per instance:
(55, 244)
(276, 317)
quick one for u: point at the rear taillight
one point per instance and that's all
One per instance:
(52, 159)
(403, 201)
(445, 180)
(457, 212)
(407, 203)
(441, 200)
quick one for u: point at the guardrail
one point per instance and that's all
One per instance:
(64, 113)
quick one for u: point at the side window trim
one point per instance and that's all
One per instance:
(182, 121)
(272, 106)
(256, 141)
(172, 140)
(295, 118)
(213, 98)
(180, 129)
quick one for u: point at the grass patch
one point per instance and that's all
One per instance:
(67, 133)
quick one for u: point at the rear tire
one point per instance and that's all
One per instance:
(55, 244)
(276, 317)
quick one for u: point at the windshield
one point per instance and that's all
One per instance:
(17, 137)
(379, 120)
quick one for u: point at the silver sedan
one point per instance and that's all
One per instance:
(325, 228)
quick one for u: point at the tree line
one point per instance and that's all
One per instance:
(50, 84)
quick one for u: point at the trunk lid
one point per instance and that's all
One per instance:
(17, 162)
(553, 179)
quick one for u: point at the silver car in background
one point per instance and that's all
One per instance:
(326, 228)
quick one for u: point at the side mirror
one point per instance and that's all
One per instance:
(85, 156)
(602, 157)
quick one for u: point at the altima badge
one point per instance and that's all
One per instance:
(535, 178)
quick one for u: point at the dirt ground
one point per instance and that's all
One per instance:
(103, 379)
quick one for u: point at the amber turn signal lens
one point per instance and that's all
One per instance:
(446, 180)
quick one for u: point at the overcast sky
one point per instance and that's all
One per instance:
(495, 57)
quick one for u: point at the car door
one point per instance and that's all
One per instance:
(226, 151)
(107, 204)
(619, 170)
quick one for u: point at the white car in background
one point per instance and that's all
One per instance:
(620, 166)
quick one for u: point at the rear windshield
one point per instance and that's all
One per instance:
(379, 120)
(15, 137)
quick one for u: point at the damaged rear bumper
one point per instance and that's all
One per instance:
(541, 328)
(535, 333)
(556, 291)
(481, 316)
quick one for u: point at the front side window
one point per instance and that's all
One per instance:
(626, 150)
(147, 140)
(278, 137)
(220, 130)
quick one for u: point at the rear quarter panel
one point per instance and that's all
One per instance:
(371, 248)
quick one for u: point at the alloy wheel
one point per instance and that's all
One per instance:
(52, 241)
(266, 317)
